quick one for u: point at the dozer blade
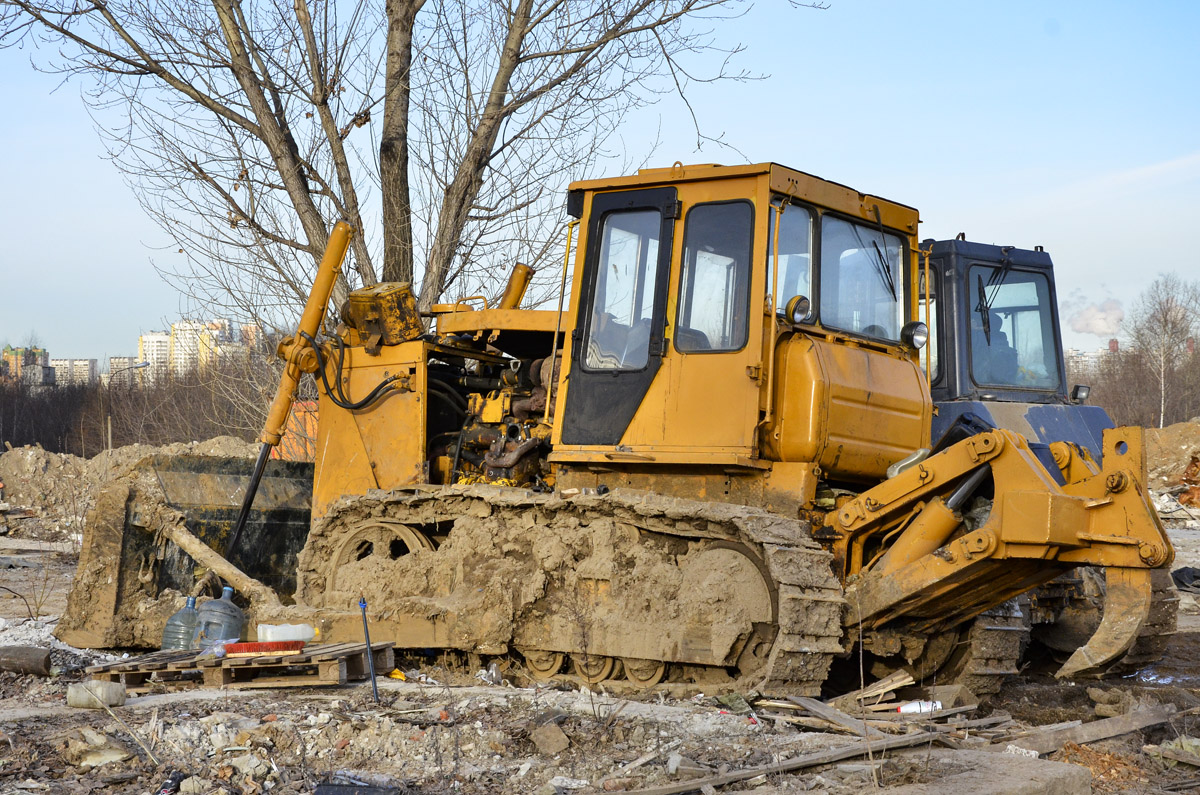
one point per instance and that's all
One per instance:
(1127, 606)
(125, 565)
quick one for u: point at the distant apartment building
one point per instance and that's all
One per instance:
(155, 348)
(27, 365)
(75, 372)
(1089, 364)
(188, 338)
(121, 370)
(251, 335)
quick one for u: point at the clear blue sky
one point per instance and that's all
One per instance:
(1071, 125)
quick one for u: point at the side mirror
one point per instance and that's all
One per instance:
(1079, 393)
(915, 334)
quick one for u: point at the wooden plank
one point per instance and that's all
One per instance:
(1048, 741)
(827, 756)
(874, 693)
(306, 680)
(825, 726)
(920, 716)
(1171, 753)
(346, 649)
(826, 712)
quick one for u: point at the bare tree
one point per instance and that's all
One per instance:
(1166, 317)
(247, 130)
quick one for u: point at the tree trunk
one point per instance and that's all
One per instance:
(1162, 390)
(468, 179)
(393, 143)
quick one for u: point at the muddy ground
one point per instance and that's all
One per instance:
(454, 733)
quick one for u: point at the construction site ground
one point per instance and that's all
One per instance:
(445, 730)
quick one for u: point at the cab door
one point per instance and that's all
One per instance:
(706, 401)
(617, 346)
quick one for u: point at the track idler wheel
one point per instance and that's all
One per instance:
(644, 673)
(593, 668)
(543, 665)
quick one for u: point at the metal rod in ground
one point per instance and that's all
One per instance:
(362, 605)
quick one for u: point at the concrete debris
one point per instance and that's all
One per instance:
(550, 739)
(87, 749)
(194, 785)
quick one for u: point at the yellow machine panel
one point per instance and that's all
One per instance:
(381, 446)
(849, 409)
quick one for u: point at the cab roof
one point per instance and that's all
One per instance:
(789, 181)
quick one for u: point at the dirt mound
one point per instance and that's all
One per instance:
(1169, 450)
(59, 489)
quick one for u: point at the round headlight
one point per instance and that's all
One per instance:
(915, 334)
(798, 308)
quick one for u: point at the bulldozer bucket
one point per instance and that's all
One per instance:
(126, 563)
(1137, 603)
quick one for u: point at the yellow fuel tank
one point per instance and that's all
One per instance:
(849, 409)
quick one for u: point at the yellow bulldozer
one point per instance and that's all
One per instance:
(709, 461)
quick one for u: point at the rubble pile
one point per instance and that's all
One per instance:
(443, 737)
(1169, 450)
(1173, 464)
(57, 490)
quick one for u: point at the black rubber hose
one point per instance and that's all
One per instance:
(339, 397)
(443, 388)
(448, 402)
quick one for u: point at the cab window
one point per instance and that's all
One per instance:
(794, 228)
(714, 288)
(861, 279)
(618, 332)
(1012, 331)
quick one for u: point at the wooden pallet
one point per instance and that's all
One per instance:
(315, 666)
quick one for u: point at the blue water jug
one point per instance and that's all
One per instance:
(181, 627)
(219, 619)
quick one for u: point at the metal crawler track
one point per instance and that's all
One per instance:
(622, 576)
(991, 649)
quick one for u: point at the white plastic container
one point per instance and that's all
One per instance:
(95, 694)
(268, 633)
(919, 707)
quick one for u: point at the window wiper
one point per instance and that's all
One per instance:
(995, 282)
(880, 262)
(885, 270)
(985, 311)
(886, 267)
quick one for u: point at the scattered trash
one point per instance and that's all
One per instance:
(172, 784)
(736, 703)
(418, 677)
(563, 782)
(490, 675)
(918, 707)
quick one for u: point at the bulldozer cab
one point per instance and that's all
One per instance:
(689, 284)
(995, 346)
